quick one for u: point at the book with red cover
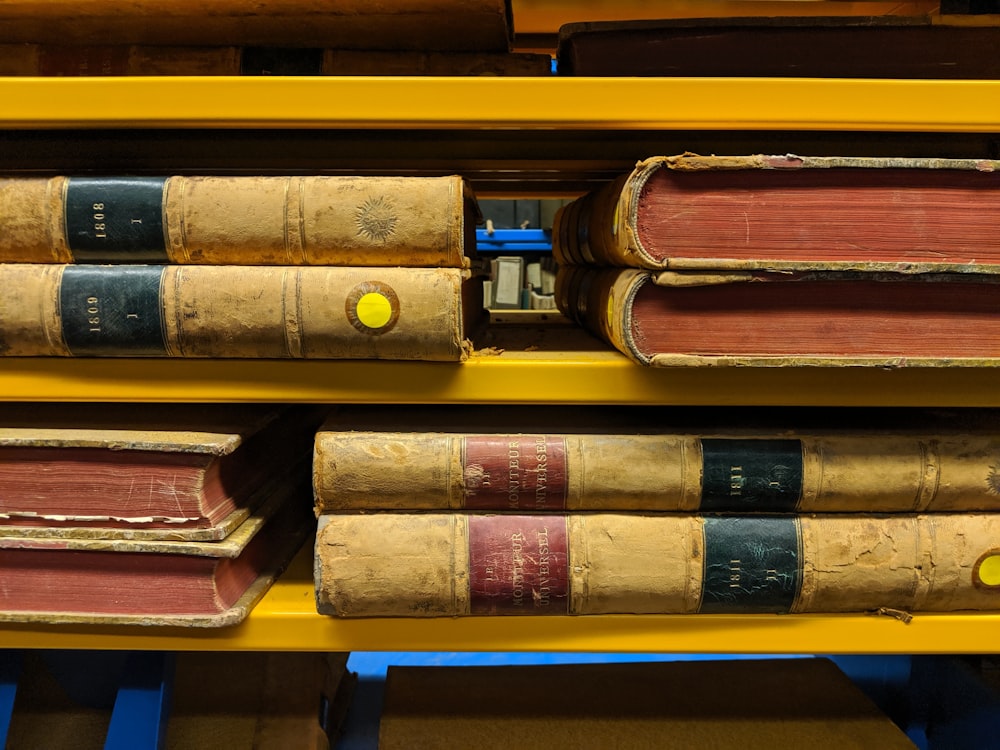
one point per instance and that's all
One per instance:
(889, 46)
(789, 212)
(788, 319)
(145, 471)
(57, 580)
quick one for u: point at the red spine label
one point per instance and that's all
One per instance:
(514, 472)
(518, 565)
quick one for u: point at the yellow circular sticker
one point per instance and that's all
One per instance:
(372, 307)
(988, 569)
(374, 310)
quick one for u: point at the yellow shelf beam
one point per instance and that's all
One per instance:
(513, 377)
(286, 620)
(497, 103)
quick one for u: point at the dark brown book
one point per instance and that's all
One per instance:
(56, 580)
(218, 699)
(259, 700)
(147, 471)
(781, 46)
(788, 212)
(786, 319)
(168, 60)
(476, 25)
(697, 705)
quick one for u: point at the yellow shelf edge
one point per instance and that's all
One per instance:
(502, 103)
(286, 621)
(513, 378)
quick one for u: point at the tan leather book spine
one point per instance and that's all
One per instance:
(307, 220)
(453, 564)
(358, 470)
(351, 24)
(321, 312)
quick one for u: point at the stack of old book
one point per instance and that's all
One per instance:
(151, 515)
(474, 511)
(786, 260)
(283, 37)
(312, 266)
(108, 513)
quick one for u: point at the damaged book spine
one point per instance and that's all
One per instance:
(666, 472)
(453, 564)
(313, 312)
(250, 220)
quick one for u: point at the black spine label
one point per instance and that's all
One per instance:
(281, 61)
(112, 310)
(751, 475)
(752, 564)
(116, 219)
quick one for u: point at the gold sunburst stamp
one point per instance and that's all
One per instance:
(376, 219)
(372, 307)
(993, 480)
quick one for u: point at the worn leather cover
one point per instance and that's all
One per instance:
(603, 226)
(868, 468)
(264, 542)
(454, 564)
(602, 300)
(248, 220)
(319, 312)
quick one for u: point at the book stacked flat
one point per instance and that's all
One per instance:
(283, 37)
(788, 261)
(150, 515)
(322, 267)
(938, 45)
(461, 512)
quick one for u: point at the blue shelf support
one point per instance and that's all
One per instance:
(10, 671)
(142, 707)
(514, 240)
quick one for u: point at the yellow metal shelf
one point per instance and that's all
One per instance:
(286, 620)
(498, 103)
(512, 377)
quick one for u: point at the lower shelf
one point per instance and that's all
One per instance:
(286, 620)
